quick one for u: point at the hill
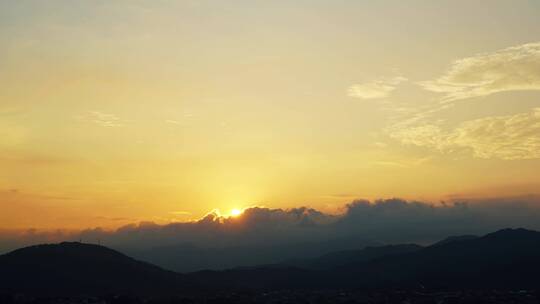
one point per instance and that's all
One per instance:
(190, 258)
(506, 259)
(77, 268)
(345, 257)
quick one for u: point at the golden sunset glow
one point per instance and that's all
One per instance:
(120, 112)
(236, 212)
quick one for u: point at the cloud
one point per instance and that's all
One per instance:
(404, 164)
(380, 88)
(427, 135)
(103, 119)
(396, 220)
(511, 69)
(508, 137)
(265, 235)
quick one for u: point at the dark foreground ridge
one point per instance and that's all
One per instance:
(507, 260)
(75, 268)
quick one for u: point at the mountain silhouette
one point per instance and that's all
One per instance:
(508, 258)
(188, 257)
(505, 259)
(345, 257)
(451, 239)
(77, 268)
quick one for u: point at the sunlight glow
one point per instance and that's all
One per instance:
(236, 212)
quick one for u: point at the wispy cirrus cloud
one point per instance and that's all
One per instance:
(102, 119)
(182, 120)
(508, 137)
(510, 69)
(106, 120)
(173, 122)
(376, 89)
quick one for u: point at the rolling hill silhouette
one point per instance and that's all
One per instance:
(451, 239)
(189, 257)
(508, 258)
(345, 257)
(77, 268)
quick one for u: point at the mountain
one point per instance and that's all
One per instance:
(458, 238)
(507, 258)
(77, 268)
(298, 273)
(189, 258)
(345, 257)
(503, 259)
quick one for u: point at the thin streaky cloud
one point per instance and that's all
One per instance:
(508, 137)
(173, 122)
(102, 119)
(376, 89)
(511, 69)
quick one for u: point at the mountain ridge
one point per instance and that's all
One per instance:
(81, 268)
(507, 258)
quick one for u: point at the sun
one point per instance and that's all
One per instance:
(236, 212)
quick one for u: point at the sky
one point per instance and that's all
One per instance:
(120, 112)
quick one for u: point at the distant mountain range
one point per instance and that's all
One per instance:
(508, 258)
(347, 257)
(188, 257)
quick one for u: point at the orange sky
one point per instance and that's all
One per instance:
(127, 111)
